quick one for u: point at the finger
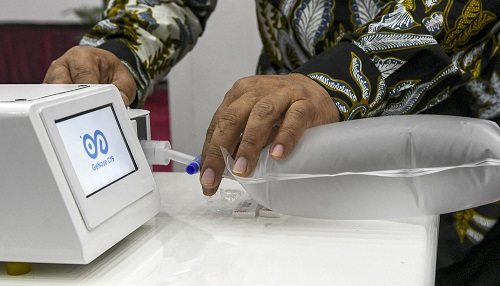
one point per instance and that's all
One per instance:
(225, 132)
(229, 98)
(58, 74)
(75, 66)
(124, 81)
(208, 178)
(297, 119)
(211, 128)
(265, 115)
(238, 89)
(110, 70)
(85, 72)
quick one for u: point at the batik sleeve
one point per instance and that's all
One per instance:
(150, 36)
(408, 58)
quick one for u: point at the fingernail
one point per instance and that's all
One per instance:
(208, 177)
(278, 151)
(209, 192)
(240, 166)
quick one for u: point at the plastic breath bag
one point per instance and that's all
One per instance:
(383, 167)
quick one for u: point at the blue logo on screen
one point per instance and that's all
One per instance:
(95, 145)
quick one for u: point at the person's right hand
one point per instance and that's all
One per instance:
(261, 110)
(88, 65)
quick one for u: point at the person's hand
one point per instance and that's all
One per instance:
(262, 110)
(87, 65)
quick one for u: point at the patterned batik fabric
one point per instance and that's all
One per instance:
(150, 36)
(386, 57)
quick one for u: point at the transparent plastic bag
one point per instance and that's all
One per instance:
(384, 167)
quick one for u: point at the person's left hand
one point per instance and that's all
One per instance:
(260, 110)
(88, 65)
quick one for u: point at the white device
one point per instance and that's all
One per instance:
(74, 179)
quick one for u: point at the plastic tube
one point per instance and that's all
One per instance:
(178, 156)
(160, 153)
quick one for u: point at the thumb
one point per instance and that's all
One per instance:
(123, 80)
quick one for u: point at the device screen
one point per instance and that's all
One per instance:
(97, 148)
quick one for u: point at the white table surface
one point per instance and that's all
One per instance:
(191, 243)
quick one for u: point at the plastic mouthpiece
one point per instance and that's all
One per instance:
(160, 153)
(194, 166)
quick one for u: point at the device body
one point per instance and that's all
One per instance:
(74, 180)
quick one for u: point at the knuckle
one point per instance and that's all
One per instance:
(290, 131)
(228, 119)
(303, 111)
(264, 109)
(76, 49)
(249, 141)
(294, 89)
(54, 63)
(299, 113)
(240, 84)
(81, 72)
(244, 86)
(213, 151)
